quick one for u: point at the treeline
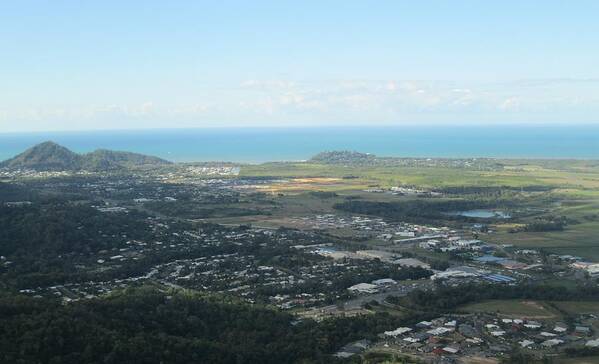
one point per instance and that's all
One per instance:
(147, 326)
(323, 194)
(200, 210)
(577, 352)
(445, 299)
(491, 190)
(540, 226)
(546, 223)
(10, 192)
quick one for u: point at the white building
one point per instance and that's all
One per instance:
(363, 288)
(398, 331)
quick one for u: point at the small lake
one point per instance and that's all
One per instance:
(326, 250)
(481, 214)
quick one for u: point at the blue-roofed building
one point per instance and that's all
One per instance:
(489, 259)
(499, 278)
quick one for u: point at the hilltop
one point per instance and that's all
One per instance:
(49, 156)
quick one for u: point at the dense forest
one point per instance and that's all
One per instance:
(10, 192)
(59, 228)
(491, 190)
(448, 298)
(194, 210)
(144, 325)
(44, 239)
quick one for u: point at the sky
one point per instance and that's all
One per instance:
(87, 65)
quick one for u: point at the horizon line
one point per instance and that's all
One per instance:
(312, 126)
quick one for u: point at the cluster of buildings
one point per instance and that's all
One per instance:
(6, 173)
(372, 227)
(592, 269)
(483, 335)
(454, 242)
(214, 170)
(233, 261)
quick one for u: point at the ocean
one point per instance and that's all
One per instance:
(256, 145)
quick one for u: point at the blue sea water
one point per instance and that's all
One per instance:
(255, 145)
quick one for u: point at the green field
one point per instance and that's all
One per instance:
(578, 307)
(580, 239)
(574, 184)
(570, 176)
(532, 309)
(585, 360)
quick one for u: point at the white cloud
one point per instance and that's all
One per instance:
(146, 108)
(510, 104)
(286, 102)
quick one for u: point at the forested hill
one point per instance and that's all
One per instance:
(49, 156)
(145, 325)
(344, 157)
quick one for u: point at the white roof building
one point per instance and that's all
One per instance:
(552, 342)
(593, 343)
(450, 350)
(593, 270)
(439, 331)
(398, 331)
(411, 262)
(383, 282)
(452, 274)
(363, 288)
(467, 243)
(560, 329)
(532, 326)
(526, 343)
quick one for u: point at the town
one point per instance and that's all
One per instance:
(208, 229)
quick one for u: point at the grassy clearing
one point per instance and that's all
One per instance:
(513, 308)
(568, 176)
(580, 239)
(579, 307)
(532, 309)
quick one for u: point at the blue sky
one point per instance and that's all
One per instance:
(68, 65)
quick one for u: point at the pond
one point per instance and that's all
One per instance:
(481, 214)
